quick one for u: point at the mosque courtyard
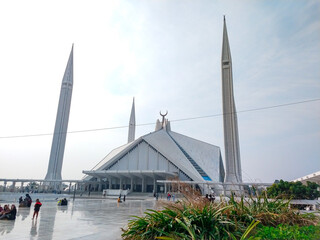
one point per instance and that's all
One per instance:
(81, 219)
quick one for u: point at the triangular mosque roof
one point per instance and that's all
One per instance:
(173, 146)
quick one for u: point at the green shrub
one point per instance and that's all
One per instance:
(269, 212)
(184, 221)
(197, 218)
(293, 190)
(286, 232)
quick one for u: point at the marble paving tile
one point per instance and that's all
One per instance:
(81, 219)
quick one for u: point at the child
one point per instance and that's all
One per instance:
(37, 206)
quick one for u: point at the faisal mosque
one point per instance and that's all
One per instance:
(143, 164)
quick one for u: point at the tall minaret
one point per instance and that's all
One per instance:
(230, 124)
(60, 129)
(132, 124)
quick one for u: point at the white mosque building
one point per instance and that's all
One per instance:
(159, 155)
(164, 154)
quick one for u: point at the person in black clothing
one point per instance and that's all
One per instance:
(28, 200)
(64, 202)
(13, 212)
(37, 206)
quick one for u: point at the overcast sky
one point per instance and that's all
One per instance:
(167, 55)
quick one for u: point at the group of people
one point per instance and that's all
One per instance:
(63, 202)
(26, 202)
(119, 198)
(210, 197)
(169, 196)
(8, 212)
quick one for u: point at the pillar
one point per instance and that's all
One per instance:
(120, 187)
(13, 186)
(154, 185)
(142, 184)
(100, 185)
(40, 187)
(131, 185)
(4, 186)
(110, 183)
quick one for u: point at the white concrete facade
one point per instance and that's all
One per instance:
(160, 155)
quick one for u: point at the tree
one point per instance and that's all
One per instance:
(32, 186)
(295, 190)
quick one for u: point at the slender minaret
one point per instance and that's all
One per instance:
(230, 124)
(60, 129)
(132, 124)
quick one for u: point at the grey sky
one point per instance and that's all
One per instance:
(166, 54)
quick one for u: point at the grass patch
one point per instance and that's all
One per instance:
(286, 232)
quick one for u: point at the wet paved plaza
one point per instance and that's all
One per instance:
(81, 219)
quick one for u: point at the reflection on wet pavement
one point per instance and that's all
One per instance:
(81, 219)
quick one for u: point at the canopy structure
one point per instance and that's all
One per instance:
(313, 177)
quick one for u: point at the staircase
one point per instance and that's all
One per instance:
(196, 166)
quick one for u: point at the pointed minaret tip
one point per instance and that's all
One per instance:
(132, 124)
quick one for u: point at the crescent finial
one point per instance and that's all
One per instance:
(163, 115)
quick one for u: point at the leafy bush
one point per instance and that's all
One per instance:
(184, 221)
(269, 212)
(286, 232)
(201, 219)
(293, 190)
(197, 218)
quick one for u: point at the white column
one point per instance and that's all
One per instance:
(154, 184)
(110, 182)
(120, 187)
(142, 184)
(100, 185)
(13, 186)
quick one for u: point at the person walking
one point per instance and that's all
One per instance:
(37, 206)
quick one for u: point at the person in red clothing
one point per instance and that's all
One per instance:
(37, 206)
